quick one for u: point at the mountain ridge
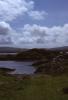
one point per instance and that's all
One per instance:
(16, 49)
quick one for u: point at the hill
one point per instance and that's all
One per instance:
(64, 48)
(10, 50)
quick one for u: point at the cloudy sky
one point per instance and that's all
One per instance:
(34, 23)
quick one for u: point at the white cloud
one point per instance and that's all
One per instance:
(4, 28)
(30, 35)
(5, 40)
(42, 36)
(6, 34)
(34, 36)
(10, 9)
(38, 15)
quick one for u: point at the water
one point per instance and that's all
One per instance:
(8, 53)
(21, 67)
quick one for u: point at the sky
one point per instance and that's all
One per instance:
(34, 23)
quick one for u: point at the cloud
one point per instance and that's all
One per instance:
(37, 15)
(10, 9)
(42, 36)
(6, 34)
(4, 28)
(30, 35)
(5, 40)
(34, 36)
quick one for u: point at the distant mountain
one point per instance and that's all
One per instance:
(10, 50)
(65, 48)
(14, 49)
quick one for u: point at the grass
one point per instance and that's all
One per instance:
(57, 67)
(5, 71)
(37, 87)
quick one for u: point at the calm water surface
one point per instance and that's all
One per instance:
(21, 67)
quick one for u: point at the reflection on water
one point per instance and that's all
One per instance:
(21, 67)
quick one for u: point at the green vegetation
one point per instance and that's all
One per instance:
(5, 71)
(49, 83)
(52, 68)
(39, 87)
(36, 54)
(33, 54)
(7, 57)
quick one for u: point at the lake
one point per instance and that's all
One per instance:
(21, 67)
